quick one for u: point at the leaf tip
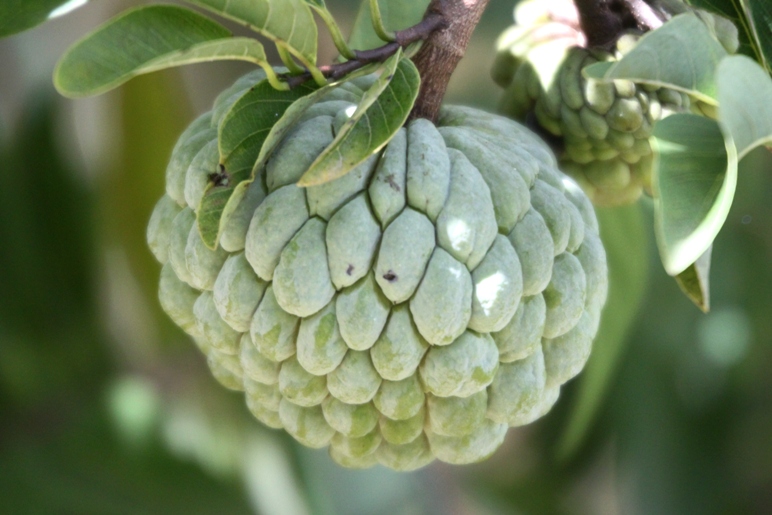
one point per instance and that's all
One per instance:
(308, 180)
(695, 281)
(210, 238)
(701, 299)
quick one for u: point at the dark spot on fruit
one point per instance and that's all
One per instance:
(390, 276)
(350, 269)
(392, 183)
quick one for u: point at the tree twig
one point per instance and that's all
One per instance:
(431, 22)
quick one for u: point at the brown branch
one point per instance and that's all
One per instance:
(431, 22)
(603, 21)
(442, 51)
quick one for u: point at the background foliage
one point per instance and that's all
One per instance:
(106, 408)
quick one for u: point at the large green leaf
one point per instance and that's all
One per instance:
(761, 17)
(237, 49)
(695, 175)
(288, 23)
(682, 54)
(19, 15)
(745, 100)
(245, 126)
(695, 281)
(396, 15)
(382, 111)
(626, 240)
(131, 44)
(241, 135)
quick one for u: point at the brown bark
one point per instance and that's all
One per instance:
(442, 51)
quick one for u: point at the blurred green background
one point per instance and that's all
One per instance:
(107, 408)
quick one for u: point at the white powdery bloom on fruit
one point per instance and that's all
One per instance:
(489, 290)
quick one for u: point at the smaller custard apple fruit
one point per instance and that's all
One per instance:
(603, 127)
(411, 310)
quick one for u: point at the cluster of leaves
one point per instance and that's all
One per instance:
(154, 37)
(695, 175)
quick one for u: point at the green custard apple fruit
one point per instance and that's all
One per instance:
(411, 310)
(604, 127)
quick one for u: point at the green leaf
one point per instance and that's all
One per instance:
(736, 12)
(626, 240)
(129, 45)
(288, 23)
(241, 135)
(695, 175)
(244, 128)
(19, 15)
(597, 70)
(382, 111)
(293, 114)
(396, 15)
(237, 49)
(695, 281)
(745, 100)
(277, 133)
(274, 137)
(761, 24)
(682, 55)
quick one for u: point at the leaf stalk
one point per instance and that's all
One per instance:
(377, 19)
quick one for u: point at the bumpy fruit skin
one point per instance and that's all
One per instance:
(412, 310)
(604, 127)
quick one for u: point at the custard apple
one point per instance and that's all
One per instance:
(604, 126)
(413, 309)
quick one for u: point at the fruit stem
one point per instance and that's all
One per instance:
(442, 51)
